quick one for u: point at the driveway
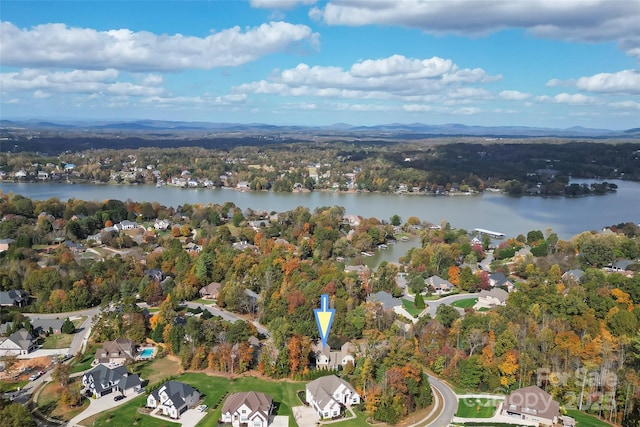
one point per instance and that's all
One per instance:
(305, 416)
(100, 405)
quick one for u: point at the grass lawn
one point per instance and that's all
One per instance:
(158, 369)
(204, 301)
(84, 363)
(55, 341)
(586, 420)
(476, 408)
(9, 385)
(411, 307)
(79, 321)
(465, 303)
(128, 415)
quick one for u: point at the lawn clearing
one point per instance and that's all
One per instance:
(84, 363)
(159, 369)
(57, 341)
(411, 307)
(204, 301)
(586, 420)
(476, 408)
(465, 303)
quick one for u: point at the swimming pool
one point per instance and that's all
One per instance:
(146, 353)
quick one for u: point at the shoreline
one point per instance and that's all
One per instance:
(306, 191)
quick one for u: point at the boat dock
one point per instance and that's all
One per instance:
(494, 234)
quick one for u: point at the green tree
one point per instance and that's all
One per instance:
(446, 315)
(396, 220)
(419, 301)
(16, 415)
(68, 327)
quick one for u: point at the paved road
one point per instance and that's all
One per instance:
(433, 305)
(227, 315)
(449, 403)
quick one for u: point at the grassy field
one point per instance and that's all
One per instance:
(158, 369)
(204, 301)
(411, 307)
(56, 341)
(465, 303)
(476, 408)
(585, 420)
(9, 385)
(85, 362)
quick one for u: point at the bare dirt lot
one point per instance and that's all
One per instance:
(23, 368)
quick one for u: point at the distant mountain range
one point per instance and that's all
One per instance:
(408, 130)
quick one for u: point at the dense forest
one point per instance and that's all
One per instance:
(570, 336)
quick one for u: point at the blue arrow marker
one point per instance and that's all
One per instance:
(324, 318)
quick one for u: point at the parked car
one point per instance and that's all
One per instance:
(202, 408)
(118, 397)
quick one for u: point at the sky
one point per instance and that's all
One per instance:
(540, 63)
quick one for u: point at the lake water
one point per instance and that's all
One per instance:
(493, 211)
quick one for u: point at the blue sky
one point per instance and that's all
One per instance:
(545, 63)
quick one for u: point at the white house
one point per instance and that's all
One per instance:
(327, 395)
(492, 298)
(327, 359)
(102, 380)
(173, 398)
(18, 343)
(249, 408)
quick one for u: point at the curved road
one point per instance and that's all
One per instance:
(449, 404)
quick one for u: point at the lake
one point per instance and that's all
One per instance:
(493, 211)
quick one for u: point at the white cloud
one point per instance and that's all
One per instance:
(625, 81)
(56, 45)
(467, 111)
(395, 77)
(43, 82)
(575, 20)
(625, 105)
(279, 4)
(569, 98)
(514, 95)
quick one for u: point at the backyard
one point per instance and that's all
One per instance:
(476, 408)
(586, 420)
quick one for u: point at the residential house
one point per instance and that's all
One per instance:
(4, 328)
(386, 299)
(117, 352)
(154, 275)
(243, 186)
(327, 395)
(500, 280)
(73, 246)
(173, 398)
(210, 291)
(47, 326)
(439, 285)
(14, 297)
(4, 244)
(492, 298)
(621, 265)
(572, 276)
(125, 225)
(251, 409)
(327, 359)
(161, 224)
(532, 404)
(103, 380)
(18, 343)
